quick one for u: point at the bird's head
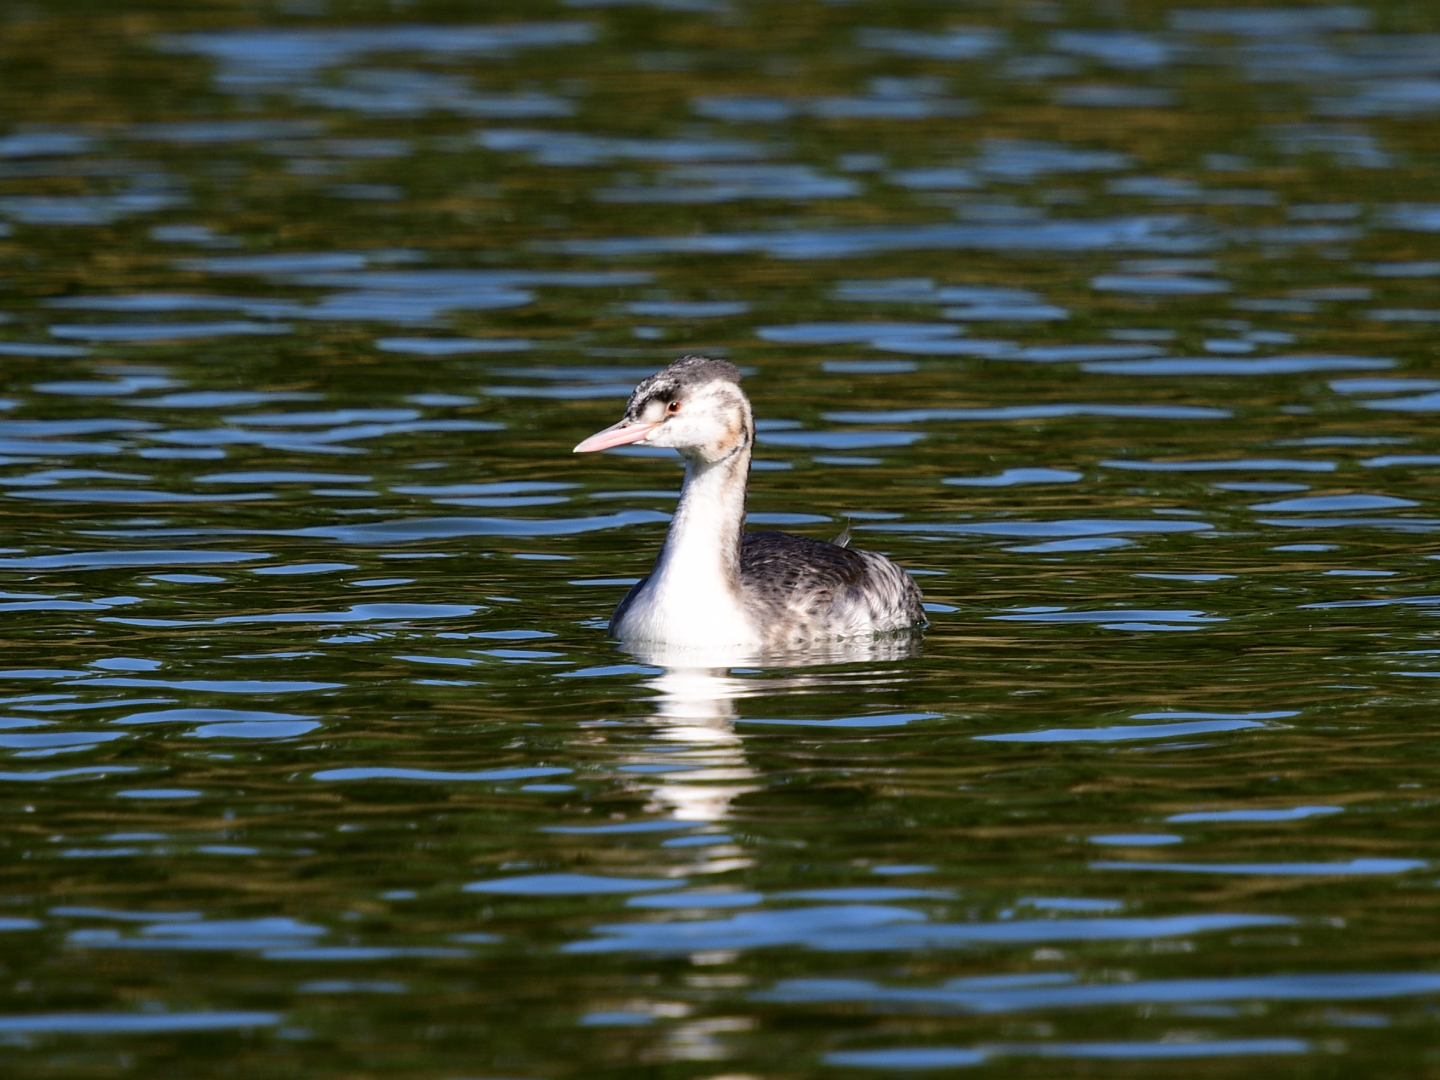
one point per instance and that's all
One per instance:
(694, 406)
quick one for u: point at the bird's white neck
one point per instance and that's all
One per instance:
(693, 597)
(703, 544)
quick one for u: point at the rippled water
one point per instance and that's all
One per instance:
(1114, 322)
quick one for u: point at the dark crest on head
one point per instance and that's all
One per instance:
(685, 374)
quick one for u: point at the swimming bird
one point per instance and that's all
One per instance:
(713, 583)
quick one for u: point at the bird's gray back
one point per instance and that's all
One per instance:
(802, 588)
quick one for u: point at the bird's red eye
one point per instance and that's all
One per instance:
(673, 408)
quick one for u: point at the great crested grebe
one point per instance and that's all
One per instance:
(715, 584)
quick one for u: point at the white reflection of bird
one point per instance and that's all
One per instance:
(715, 584)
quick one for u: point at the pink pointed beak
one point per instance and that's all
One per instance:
(621, 434)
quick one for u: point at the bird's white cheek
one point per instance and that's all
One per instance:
(664, 435)
(675, 432)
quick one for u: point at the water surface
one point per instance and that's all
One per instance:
(1114, 323)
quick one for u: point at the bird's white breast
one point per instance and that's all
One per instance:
(686, 612)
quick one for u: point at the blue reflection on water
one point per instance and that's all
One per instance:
(569, 885)
(940, 1057)
(1293, 813)
(250, 60)
(863, 927)
(1123, 732)
(1158, 234)
(1016, 993)
(134, 1023)
(1296, 869)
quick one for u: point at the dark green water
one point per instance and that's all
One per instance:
(1115, 321)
